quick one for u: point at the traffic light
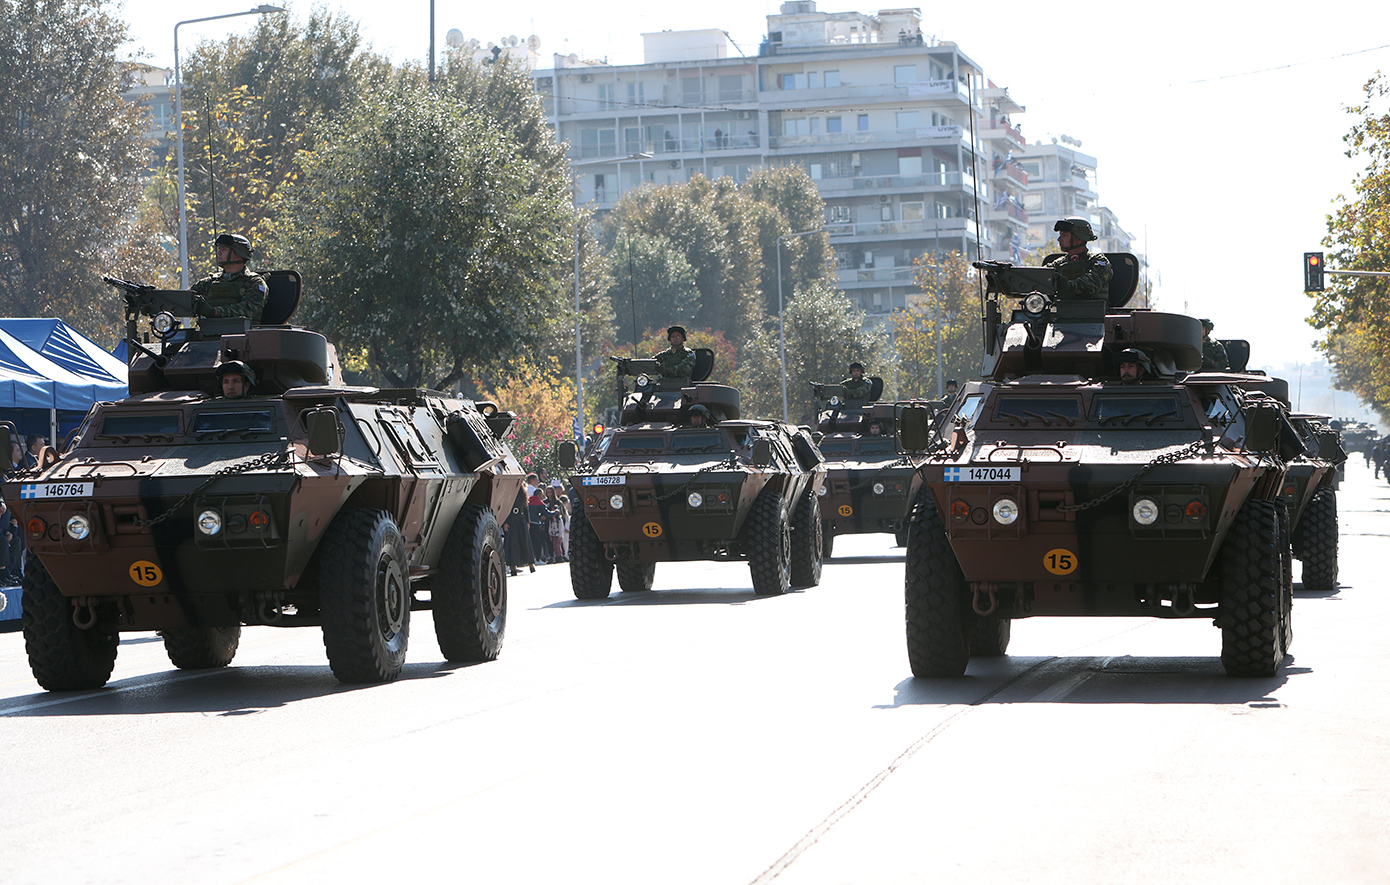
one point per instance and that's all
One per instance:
(1312, 272)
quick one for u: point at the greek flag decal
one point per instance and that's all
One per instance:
(952, 474)
(29, 491)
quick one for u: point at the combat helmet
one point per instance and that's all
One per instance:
(1078, 226)
(236, 367)
(239, 245)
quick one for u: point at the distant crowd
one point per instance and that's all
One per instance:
(537, 531)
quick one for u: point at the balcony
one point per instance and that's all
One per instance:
(1010, 211)
(892, 136)
(998, 130)
(1012, 172)
(930, 228)
(694, 145)
(669, 102)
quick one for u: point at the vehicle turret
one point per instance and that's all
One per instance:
(668, 400)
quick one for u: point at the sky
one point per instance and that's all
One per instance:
(1217, 126)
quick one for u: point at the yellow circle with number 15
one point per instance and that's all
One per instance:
(146, 573)
(1060, 561)
(846, 510)
(652, 529)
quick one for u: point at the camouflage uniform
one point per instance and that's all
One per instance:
(856, 389)
(241, 294)
(1214, 356)
(1085, 275)
(676, 363)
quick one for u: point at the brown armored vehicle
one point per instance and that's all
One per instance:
(304, 503)
(869, 486)
(1054, 487)
(686, 477)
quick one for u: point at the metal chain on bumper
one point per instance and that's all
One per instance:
(1169, 458)
(730, 464)
(270, 460)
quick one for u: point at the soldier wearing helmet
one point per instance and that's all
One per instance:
(856, 385)
(677, 361)
(1214, 357)
(700, 416)
(1132, 365)
(236, 292)
(1080, 272)
(236, 379)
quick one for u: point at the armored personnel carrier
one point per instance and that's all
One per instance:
(303, 503)
(685, 477)
(1056, 486)
(869, 486)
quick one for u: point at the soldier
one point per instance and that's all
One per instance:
(236, 379)
(856, 385)
(1080, 272)
(700, 416)
(1131, 366)
(1214, 358)
(676, 361)
(951, 388)
(236, 292)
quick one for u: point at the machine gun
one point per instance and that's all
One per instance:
(142, 300)
(646, 371)
(1003, 278)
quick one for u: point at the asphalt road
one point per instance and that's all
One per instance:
(699, 734)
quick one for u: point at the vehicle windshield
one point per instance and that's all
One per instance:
(690, 441)
(876, 445)
(629, 443)
(1126, 410)
(1038, 411)
(829, 447)
(239, 421)
(160, 424)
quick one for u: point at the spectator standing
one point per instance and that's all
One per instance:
(539, 519)
(516, 543)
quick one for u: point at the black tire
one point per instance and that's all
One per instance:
(201, 648)
(807, 542)
(1317, 529)
(62, 656)
(1252, 598)
(636, 577)
(900, 538)
(768, 540)
(1281, 512)
(364, 596)
(940, 620)
(990, 637)
(470, 595)
(827, 542)
(591, 574)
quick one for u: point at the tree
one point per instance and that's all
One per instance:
(543, 399)
(251, 104)
(789, 202)
(950, 284)
(1354, 312)
(72, 151)
(652, 284)
(431, 244)
(824, 333)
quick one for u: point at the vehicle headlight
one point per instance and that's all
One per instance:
(695, 499)
(209, 522)
(878, 488)
(1034, 303)
(164, 322)
(78, 527)
(1145, 511)
(834, 400)
(643, 381)
(616, 502)
(1005, 511)
(823, 491)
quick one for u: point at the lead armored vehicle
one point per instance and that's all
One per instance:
(1054, 487)
(869, 486)
(685, 477)
(305, 503)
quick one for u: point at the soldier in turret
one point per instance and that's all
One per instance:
(1080, 272)
(1214, 358)
(1131, 365)
(856, 385)
(236, 379)
(236, 292)
(677, 361)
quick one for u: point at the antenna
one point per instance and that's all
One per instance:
(212, 179)
(975, 186)
(631, 294)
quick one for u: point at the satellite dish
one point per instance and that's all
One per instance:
(533, 43)
(489, 44)
(512, 41)
(454, 37)
(472, 44)
(573, 58)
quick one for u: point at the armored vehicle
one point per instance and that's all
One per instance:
(303, 503)
(1090, 474)
(685, 477)
(869, 486)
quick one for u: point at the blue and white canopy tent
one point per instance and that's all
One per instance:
(51, 374)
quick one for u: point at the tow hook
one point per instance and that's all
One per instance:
(985, 590)
(84, 613)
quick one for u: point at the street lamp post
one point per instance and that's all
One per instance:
(263, 9)
(781, 322)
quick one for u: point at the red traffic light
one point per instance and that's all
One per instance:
(1314, 259)
(1312, 272)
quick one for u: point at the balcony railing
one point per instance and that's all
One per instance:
(900, 136)
(938, 227)
(1008, 210)
(673, 145)
(671, 101)
(1000, 129)
(930, 179)
(1009, 170)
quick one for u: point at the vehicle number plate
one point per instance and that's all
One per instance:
(982, 474)
(55, 490)
(611, 480)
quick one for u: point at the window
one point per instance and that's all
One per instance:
(816, 172)
(815, 125)
(863, 122)
(632, 139)
(915, 211)
(607, 96)
(161, 424)
(791, 81)
(813, 80)
(794, 126)
(1033, 168)
(635, 94)
(837, 214)
(690, 89)
(1032, 202)
(907, 120)
(832, 79)
(904, 73)
(730, 87)
(910, 161)
(832, 124)
(885, 212)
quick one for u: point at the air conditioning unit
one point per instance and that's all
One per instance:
(885, 198)
(675, 164)
(585, 78)
(854, 160)
(745, 115)
(545, 82)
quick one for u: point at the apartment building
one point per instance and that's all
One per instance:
(878, 115)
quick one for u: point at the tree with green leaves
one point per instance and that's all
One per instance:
(788, 202)
(949, 305)
(250, 104)
(72, 152)
(652, 284)
(1354, 312)
(430, 245)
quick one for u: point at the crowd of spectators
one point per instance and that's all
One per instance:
(538, 529)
